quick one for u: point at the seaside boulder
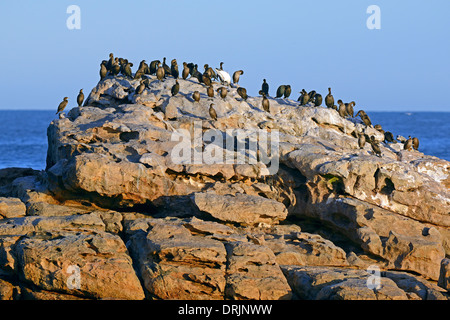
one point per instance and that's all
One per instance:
(146, 196)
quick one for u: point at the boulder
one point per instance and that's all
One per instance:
(444, 276)
(87, 264)
(240, 208)
(12, 208)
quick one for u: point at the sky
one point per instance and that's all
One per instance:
(311, 45)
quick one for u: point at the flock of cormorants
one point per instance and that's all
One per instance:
(115, 66)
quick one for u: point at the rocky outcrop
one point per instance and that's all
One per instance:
(135, 204)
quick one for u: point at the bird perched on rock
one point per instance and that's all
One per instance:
(160, 73)
(175, 88)
(154, 66)
(167, 71)
(196, 96)
(375, 146)
(265, 87)
(361, 140)
(415, 143)
(280, 91)
(304, 98)
(287, 91)
(223, 92)
(236, 76)
(349, 108)
(174, 68)
(329, 99)
(186, 71)
(389, 137)
(364, 117)
(196, 74)
(212, 112)
(127, 70)
(140, 88)
(242, 92)
(224, 76)
(210, 91)
(408, 145)
(62, 105)
(110, 62)
(312, 95)
(80, 98)
(103, 70)
(144, 66)
(265, 102)
(115, 69)
(317, 100)
(206, 79)
(342, 109)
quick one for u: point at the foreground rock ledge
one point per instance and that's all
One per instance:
(114, 211)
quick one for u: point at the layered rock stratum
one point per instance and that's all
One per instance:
(115, 215)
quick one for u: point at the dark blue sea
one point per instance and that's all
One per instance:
(23, 134)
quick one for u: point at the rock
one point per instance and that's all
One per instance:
(174, 264)
(444, 277)
(241, 208)
(12, 208)
(6, 290)
(319, 283)
(87, 264)
(416, 287)
(305, 249)
(253, 274)
(8, 175)
(22, 226)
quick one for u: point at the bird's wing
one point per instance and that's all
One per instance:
(223, 75)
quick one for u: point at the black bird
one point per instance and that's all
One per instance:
(265, 87)
(154, 66)
(62, 105)
(103, 70)
(265, 102)
(212, 112)
(167, 71)
(80, 98)
(416, 143)
(196, 96)
(127, 70)
(140, 88)
(206, 79)
(287, 91)
(176, 88)
(242, 92)
(375, 146)
(280, 91)
(210, 91)
(329, 99)
(236, 76)
(174, 69)
(317, 99)
(389, 137)
(186, 71)
(304, 98)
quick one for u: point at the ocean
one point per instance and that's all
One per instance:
(23, 134)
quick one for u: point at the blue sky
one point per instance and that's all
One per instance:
(404, 66)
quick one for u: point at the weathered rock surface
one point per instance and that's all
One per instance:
(444, 277)
(117, 210)
(319, 283)
(241, 208)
